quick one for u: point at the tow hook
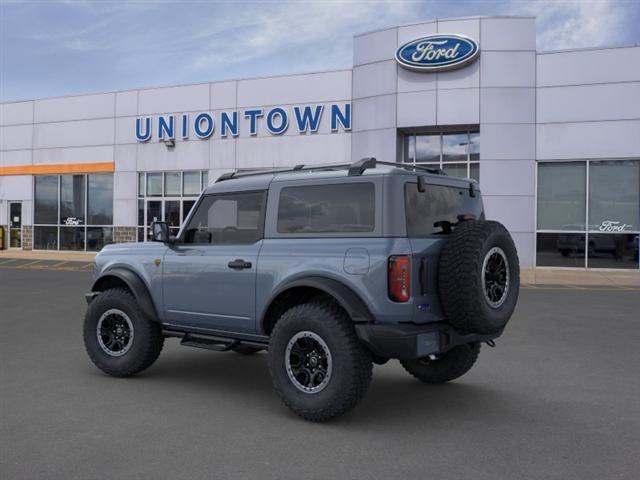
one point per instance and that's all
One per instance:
(491, 343)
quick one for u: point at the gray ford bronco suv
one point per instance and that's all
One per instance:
(330, 268)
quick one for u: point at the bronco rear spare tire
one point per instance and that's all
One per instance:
(479, 277)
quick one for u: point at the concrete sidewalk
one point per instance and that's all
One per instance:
(39, 255)
(579, 276)
(528, 276)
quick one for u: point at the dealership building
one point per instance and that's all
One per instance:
(553, 138)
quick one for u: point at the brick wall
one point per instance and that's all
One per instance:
(125, 234)
(27, 237)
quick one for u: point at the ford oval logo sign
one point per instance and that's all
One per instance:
(436, 53)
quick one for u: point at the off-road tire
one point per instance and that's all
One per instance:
(449, 366)
(147, 338)
(352, 366)
(460, 277)
(246, 350)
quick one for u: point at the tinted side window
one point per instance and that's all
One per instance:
(437, 204)
(340, 208)
(227, 219)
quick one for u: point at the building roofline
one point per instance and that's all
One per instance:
(584, 49)
(191, 84)
(436, 20)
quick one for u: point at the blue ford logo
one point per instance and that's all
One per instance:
(436, 53)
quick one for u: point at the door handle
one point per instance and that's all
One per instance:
(239, 264)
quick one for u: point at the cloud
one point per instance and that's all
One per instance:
(313, 26)
(90, 45)
(573, 24)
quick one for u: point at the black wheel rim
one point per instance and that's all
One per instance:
(115, 332)
(495, 277)
(308, 362)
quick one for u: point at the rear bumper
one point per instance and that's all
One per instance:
(406, 341)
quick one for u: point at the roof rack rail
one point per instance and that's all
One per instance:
(354, 169)
(358, 168)
(296, 168)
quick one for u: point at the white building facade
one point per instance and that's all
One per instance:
(553, 138)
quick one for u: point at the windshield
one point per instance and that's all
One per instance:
(435, 210)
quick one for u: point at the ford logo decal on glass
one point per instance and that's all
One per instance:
(436, 53)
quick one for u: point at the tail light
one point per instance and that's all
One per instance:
(466, 216)
(399, 278)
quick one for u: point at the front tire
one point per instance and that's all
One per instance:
(449, 366)
(317, 364)
(120, 340)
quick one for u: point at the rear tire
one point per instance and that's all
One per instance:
(317, 364)
(119, 338)
(453, 364)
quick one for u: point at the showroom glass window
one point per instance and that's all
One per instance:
(73, 212)
(167, 196)
(457, 153)
(588, 214)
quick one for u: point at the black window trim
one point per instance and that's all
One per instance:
(194, 209)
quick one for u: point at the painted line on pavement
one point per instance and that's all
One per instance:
(28, 265)
(9, 260)
(55, 267)
(58, 264)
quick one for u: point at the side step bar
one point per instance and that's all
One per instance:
(211, 342)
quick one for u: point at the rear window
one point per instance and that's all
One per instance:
(437, 204)
(339, 208)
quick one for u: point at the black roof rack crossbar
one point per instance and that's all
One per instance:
(354, 169)
(225, 176)
(358, 167)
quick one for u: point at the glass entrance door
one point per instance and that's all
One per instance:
(15, 225)
(172, 215)
(170, 210)
(152, 213)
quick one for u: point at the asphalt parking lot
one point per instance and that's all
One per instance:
(557, 398)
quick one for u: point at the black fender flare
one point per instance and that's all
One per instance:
(344, 295)
(135, 284)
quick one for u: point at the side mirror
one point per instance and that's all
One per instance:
(160, 232)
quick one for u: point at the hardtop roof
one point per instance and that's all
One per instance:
(260, 179)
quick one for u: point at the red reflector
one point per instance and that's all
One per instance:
(466, 216)
(399, 278)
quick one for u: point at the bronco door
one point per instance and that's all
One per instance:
(209, 275)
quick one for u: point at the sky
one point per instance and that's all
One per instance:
(67, 47)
